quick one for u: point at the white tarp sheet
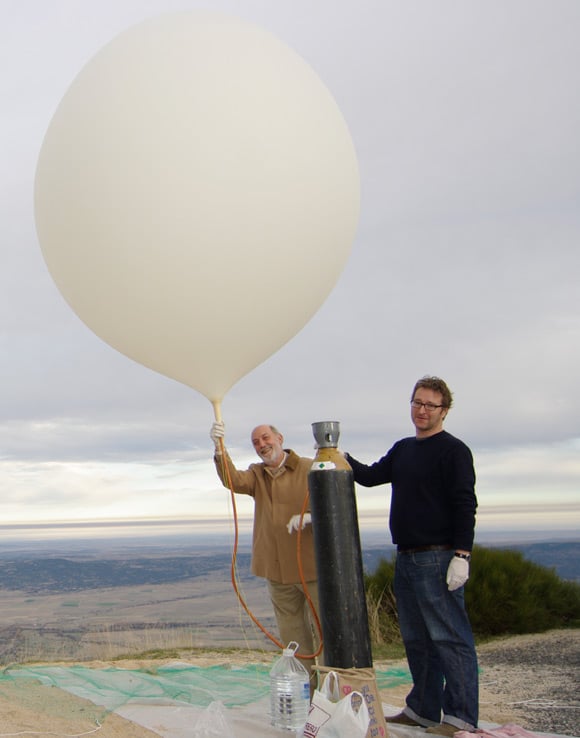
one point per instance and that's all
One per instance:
(181, 701)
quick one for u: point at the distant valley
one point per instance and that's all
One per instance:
(52, 574)
(86, 601)
(562, 556)
(76, 571)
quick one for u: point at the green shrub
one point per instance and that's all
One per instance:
(381, 606)
(506, 594)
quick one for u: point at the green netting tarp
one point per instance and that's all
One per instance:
(168, 684)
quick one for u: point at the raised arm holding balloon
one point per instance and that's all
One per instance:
(279, 486)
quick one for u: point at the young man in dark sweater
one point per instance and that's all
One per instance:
(432, 522)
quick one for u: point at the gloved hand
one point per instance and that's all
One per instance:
(457, 573)
(294, 522)
(217, 431)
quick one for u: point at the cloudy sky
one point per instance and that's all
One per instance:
(466, 263)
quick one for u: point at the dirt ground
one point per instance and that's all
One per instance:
(36, 709)
(530, 680)
(507, 687)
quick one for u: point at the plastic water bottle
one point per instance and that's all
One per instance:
(289, 691)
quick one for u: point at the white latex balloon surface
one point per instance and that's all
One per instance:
(196, 196)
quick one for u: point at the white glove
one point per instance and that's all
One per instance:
(457, 573)
(294, 522)
(217, 431)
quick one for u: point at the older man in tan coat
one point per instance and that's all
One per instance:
(279, 486)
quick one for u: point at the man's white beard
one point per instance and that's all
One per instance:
(270, 456)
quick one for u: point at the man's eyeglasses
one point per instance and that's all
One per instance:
(429, 406)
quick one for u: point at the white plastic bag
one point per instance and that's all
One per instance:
(332, 717)
(213, 723)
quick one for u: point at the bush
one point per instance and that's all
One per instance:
(506, 594)
(381, 606)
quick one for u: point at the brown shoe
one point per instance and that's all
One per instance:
(443, 729)
(402, 719)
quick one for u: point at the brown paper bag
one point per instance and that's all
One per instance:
(365, 682)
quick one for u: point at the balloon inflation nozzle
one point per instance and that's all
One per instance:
(326, 433)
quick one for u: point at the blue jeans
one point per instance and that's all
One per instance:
(438, 640)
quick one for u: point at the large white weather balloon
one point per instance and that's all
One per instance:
(196, 196)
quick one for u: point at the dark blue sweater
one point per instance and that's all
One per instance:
(433, 490)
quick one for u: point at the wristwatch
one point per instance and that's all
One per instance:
(467, 557)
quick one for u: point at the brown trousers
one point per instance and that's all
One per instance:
(296, 621)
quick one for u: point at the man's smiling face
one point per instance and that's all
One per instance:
(268, 445)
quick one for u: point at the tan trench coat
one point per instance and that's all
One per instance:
(276, 500)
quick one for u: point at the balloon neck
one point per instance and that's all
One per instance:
(217, 409)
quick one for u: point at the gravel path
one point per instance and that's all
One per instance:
(535, 679)
(530, 680)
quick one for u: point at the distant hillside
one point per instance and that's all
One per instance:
(73, 572)
(563, 557)
(59, 574)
